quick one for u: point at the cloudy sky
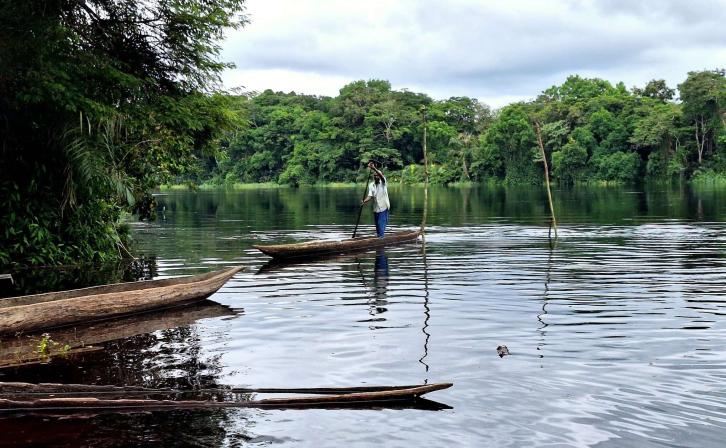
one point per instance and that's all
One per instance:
(495, 50)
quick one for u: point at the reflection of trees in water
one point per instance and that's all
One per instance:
(200, 428)
(171, 358)
(291, 208)
(143, 268)
(167, 358)
(224, 223)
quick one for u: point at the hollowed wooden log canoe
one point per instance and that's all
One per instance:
(30, 397)
(317, 248)
(71, 340)
(55, 309)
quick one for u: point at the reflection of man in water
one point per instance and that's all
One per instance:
(380, 281)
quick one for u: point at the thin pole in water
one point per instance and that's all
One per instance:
(547, 175)
(360, 209)
(426, 173)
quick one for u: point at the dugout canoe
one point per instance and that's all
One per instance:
(79, 306)
(38, 397)
(22, 350)
(317, 248)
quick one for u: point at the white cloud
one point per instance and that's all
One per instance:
(493, 50)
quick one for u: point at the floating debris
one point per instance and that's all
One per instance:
(502, 351)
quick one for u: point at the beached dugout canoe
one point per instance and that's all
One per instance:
(55, 309)
(317, 248)
(37, 397)
(73, 340)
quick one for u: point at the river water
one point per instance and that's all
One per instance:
(616, 330)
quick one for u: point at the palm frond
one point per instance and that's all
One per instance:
(95, 162)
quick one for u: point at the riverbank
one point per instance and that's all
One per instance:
(709, 178)
(208, 186)
(273, 185)
(705, 179)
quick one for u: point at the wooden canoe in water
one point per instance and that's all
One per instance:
(55, 309)
(317, 248)
(38, 397)
(22, 350)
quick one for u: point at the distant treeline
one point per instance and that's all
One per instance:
(592, 132)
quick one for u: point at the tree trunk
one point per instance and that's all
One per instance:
(388, 124)
(465, 139)
(700, 138)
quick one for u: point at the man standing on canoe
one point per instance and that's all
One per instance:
(378, 193)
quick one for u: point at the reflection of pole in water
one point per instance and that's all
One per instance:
(365, 286)
(427, 311)
(552, 245)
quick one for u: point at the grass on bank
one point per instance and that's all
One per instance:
(700, 178)
(273, 185)
(211, 186)
(709, 178)
(250, 186)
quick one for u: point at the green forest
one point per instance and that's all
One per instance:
(592, 132)
(103, 101)
(100, 102)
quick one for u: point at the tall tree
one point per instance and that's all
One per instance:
(704, 102)
(656, 89)
(93, 92)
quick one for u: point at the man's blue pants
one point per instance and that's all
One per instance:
(381, 222)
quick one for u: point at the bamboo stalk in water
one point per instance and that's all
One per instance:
(426, 175)
(547, 174)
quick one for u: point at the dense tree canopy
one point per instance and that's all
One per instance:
(100, 100)
(302, 139)
(593, 131)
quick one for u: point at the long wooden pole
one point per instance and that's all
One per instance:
(360, 210)
(547, 175)
(426, 173)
